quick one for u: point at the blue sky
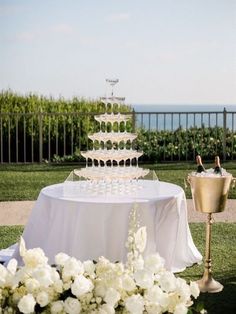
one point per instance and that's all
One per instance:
(162, 51)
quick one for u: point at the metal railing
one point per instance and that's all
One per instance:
(35, 137)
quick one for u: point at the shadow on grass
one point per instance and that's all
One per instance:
(223, 302)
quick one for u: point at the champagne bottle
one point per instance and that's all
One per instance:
(217, 169)
(200, 167)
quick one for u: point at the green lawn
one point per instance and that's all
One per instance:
(24, 182)
(223, 261)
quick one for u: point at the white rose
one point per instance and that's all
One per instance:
(154, 263)
(135, 304)
(112, 297)
(42, 298)
(140, 239)
(167, 281)
(183, 289)
(34, 258)
(106, 309)
(72, 306)
(43, 276)
(57, 307)
(32, 285)
(128, 283)
(72, 268)
(89, 268)
(181, 309)
(144, 278)
(27, 304)
(194, 289)
(61, 258)
(81, 285)
(156, 295)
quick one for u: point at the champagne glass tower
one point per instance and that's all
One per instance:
(112, 160)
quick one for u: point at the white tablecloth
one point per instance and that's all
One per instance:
(64, 219)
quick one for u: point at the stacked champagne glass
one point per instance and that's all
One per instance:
(112, 164)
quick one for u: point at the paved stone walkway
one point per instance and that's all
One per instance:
(17, 213)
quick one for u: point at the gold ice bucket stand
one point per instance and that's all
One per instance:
(209, 196)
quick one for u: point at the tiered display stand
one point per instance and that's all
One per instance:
(112, 162)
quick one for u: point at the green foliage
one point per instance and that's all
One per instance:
(185, 144)
(64, 125)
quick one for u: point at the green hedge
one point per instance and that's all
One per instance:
(185, 144)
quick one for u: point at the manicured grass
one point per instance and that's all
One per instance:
(223, 262)
(24, 182)
(223, 255)
(9, 235)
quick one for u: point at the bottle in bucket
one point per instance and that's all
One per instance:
(217, 169)
(200, 167)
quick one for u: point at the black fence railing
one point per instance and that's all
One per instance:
(35, 137)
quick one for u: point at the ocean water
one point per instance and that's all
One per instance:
(171, 117)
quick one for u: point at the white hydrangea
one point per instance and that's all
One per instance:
(167, 281)
(72, 267)
(154, 263)
(144, 278)
(106, 309)
(27, 303)
(194, 288)
(32, 285)
(154, 308)
(89, 268)
(135, 304)
(100, 289)
(61, 258)
(128, 283)
(112, 297)
(43, 276)
(34, 258)
(183, 289)
(181, 309)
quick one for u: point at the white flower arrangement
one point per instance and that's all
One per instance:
(70, 286)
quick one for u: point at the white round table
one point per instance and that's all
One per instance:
(68, 218)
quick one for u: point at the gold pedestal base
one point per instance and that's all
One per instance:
(209, 285)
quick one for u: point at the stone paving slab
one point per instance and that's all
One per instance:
(17, 213)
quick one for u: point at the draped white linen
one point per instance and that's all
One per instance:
(86, 227)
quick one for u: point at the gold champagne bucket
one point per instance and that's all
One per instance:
(209, 195)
